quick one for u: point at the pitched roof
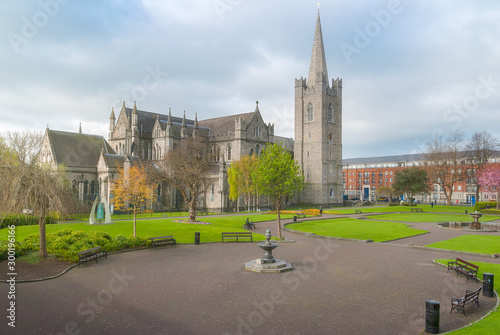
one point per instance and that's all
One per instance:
(75, 149)
(225, 124)
(114, 161)
(148, 119)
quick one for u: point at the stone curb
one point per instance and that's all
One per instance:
(494, 309)
(412, 246)
(327, 237)
(41, 279)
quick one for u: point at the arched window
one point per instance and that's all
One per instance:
(331, 192)
(310, 112)
(85, 187)
(330, 113)
(229, 152)
(92, 187)
(74, 186)
(251, 152)
(257, 149)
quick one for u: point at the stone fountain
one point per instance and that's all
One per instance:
(476, 224)
(268, 264)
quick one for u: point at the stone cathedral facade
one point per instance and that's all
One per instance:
(91, 161)
(318, 130)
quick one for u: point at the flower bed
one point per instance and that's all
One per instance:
(196, 222)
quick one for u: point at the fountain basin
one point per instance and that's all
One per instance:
(465, 226)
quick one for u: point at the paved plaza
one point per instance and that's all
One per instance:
(337, 287)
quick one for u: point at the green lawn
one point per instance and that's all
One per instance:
(357, 229)
(390, 209)
(491, 324)
(431, 217)
(183, 233)
(484, 244)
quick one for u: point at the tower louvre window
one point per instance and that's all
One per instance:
(310, 112)
(330, 113)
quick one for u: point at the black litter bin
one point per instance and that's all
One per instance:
(197, 237)
(295, 219)
(432, 308)
(488, 281)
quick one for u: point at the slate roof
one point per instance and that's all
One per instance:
(114, 161)
(148, 119)
(287, 142)
(76, 149)
(382, 159)
(225, 124)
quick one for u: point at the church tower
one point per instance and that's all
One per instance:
(318, 130)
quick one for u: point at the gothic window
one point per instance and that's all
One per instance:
(85, 187)
(159, 153)
(330, 113)
(92, 187)
(310, 112)
(331, 192)
(257, 148)
(229, 152)
(251, 152)
(330, 138)
(74, 186)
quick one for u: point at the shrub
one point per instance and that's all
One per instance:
(491, 211)
(24, 220)
(483, 204)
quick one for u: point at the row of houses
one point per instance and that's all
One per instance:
(363, 177)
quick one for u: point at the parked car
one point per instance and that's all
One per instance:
(383, 199)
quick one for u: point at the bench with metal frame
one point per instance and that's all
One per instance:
(470, 296)
(465, 268)
(236, 235)
(163, 240)
(93, 254)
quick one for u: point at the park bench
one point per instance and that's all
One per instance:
(300, 215)
(162, 240)
(416, 210)
(202, 212)
(358, 211)
(470, 296)
(465, 268)
(237, 236)
(89, 255)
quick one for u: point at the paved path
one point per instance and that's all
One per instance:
(337, 287)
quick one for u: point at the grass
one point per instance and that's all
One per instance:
(432, 217)
(391, 209)
(491, 324)
(357, 229)
(183, 233)
(483, 244)
(31, 257)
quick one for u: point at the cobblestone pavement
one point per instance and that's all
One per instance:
(337, 287)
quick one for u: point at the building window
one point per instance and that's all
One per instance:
(309, 134)
(373, 180)
(228, 152)
(310, 112)
(307, 175)
(330, 138)
(331, 192)
(380, 181)
(367, 174)
(330, 113)
(308, 154)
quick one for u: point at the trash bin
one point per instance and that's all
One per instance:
(488, 281)
(197, 237)
(432, 308)
(466, 212)
(295, 219)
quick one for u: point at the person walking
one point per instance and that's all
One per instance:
(320, 210)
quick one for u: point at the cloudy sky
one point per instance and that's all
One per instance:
(410, 69)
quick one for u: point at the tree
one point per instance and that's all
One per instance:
(132, 189)
(489, 178)
(482, 148)
(444, 157)
(278, 176)
(240, 179)
(387, 191)
(28, 185)
(26, 145)
(411, 181)
(187, 168)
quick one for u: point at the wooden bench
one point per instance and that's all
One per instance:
(93, 254)
(358, 211)
(300, 215)
(470, 296)
(465, 268)
(162, 240)
(237, 236)
(416, 210)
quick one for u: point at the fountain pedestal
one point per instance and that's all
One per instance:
(476, 224)
(268, 264)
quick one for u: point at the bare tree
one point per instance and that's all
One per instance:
(27, 185)
(444, 157)
(481, 148)
(26, 145)
(187, 168)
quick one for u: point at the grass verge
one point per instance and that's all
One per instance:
(431, 217)
(484, 244)
(357, 229)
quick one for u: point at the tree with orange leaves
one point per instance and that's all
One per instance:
(133, 191)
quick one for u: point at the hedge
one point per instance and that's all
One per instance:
(24, 220)
(482, 205)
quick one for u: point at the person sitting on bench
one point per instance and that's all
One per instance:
(249, 224)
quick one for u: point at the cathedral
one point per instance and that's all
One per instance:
(91, 161)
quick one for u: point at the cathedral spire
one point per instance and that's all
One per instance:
(317, 69)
